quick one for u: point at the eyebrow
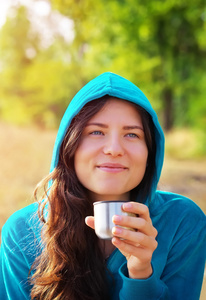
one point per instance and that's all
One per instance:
(127, 127)
(133, 127)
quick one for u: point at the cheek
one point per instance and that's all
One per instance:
(82, 159)
(139, 166)
(78, 160)
(140, 155)
(145, 155)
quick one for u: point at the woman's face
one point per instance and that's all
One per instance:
(112, 155)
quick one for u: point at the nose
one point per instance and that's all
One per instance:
(113, 146)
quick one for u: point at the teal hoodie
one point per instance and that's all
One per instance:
(178, 262)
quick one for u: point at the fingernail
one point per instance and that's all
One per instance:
(115, 241)
(116, 230)
(127, 205)
(117, 218)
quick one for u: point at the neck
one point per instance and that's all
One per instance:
(107, 247)
(97, 197)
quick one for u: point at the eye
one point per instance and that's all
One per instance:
(96, 132)
(132, 135)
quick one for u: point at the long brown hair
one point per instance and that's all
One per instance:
(72, 265)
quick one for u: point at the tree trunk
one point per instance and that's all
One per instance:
(168, 109)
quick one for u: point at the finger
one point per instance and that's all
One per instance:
(135, 238)
(138, 209)
(90, 221)
(128, 249)
(137, 223)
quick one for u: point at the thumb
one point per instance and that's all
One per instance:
(90, 221)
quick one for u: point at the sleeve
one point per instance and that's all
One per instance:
(152, 288)
(15, 260)
(183, 272)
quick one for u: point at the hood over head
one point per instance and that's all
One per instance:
(115, 86)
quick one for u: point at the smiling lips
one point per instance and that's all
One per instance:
(112, 167)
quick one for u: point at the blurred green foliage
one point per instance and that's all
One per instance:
(159, 45)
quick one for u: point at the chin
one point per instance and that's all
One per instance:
(108, 194)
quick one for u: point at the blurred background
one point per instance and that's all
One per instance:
(50, 49)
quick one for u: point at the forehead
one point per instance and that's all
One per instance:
(118, 109)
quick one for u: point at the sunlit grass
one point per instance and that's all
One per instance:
(25, 156)
(186, 144)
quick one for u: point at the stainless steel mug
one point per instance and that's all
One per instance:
(103, 213)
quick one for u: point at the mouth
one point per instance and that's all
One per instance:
(112, 167)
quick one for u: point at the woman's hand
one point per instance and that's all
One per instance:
(136, 245)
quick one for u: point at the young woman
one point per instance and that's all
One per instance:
(109, 146)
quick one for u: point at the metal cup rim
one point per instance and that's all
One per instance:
(110, 201)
